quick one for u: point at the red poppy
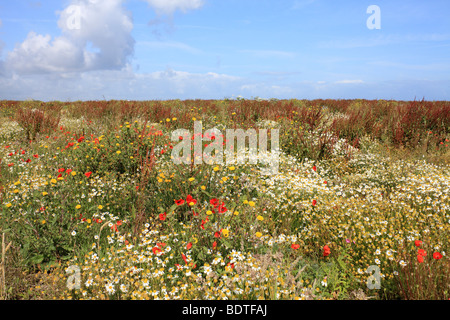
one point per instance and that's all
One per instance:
(184, 258)
(222, 208)
(314, 202)
(217, 234)
(326, 251)
(214, 202)
(214, 244)
(161, 244)
(61, 170)
(59, 176)
(418, 243)
(88, 174)
(28, 161)
(119, 222)
(189, 245)
(179, 202)
(68, 171)
(10, 164)
(189, 199)
(36, 156)
(114, 227)
(156, 250)
(295, 246)
(80, 139)
(437, 255)
(420, 258)
(23, 152)
(422, 252)
(162, 216)
(10, 154)
(314, 168)
(203, 223)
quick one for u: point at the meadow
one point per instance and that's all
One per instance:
(94, 207)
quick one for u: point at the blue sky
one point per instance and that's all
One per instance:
(211, 49)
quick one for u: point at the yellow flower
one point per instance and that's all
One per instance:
(251, 203)
(245, 201)
(209, 212)
(8, 205)
(43, 221)
(260, 218)
(100, 207)
(194, 118)
(53, 181)
(16, 183)
(118, 152)
(203, 187)
(168, 120)
(78, 206)
(174, 119)
(258, 234)
(236, 213)
(44, 193)
(231, 168)
(73, 173)
(225, 233)
(16, 191)
(191, 179)
(89, 220)
(216, 169)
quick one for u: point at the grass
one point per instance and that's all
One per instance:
(92, 184)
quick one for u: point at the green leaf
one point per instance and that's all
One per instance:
(172, 209)
(207, 193)
(37, 258)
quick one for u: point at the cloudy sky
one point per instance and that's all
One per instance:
(213, 49)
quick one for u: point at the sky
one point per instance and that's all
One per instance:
(214, 49)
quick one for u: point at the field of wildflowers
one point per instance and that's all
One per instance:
(93, 206)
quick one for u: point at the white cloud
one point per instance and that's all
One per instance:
(119, 84)
(170, 6)
(349, 81)
(164, 45)
(103, 24)
(270, 53)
